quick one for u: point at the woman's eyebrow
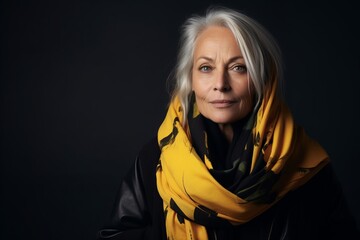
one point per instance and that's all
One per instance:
(205, 58)
(212, 60)
(233, 59)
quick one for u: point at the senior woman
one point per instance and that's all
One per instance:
(229, 162)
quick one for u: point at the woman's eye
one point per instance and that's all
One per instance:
(205, 68)
(239, 68)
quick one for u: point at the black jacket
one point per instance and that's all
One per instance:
(317, 210)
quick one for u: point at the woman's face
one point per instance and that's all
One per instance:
(219, 77)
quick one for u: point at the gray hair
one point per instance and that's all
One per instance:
(261, 53)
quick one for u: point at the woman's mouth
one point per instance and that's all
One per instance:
(222, 103)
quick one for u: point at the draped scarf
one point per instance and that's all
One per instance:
(270, 156)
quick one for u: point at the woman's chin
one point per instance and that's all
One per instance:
(223, 118)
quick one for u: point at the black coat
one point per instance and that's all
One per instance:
(317, 210)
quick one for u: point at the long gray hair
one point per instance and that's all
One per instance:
(260, 51)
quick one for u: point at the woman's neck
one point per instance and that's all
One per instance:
(228, 131)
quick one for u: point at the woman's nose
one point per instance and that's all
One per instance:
(221, 82)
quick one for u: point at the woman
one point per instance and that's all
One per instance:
(229, 162)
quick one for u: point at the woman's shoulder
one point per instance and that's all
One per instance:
(150, 149)
(325, 182)
(321, 202)
(149, 154)
(145, 164)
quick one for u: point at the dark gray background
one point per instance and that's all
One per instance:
(83, 87)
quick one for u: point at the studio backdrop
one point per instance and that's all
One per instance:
(85, 84)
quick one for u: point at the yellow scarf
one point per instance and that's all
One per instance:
(190, 192)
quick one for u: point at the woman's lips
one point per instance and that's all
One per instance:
(222, 103)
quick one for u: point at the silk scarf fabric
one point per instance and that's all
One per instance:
(273, 157)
